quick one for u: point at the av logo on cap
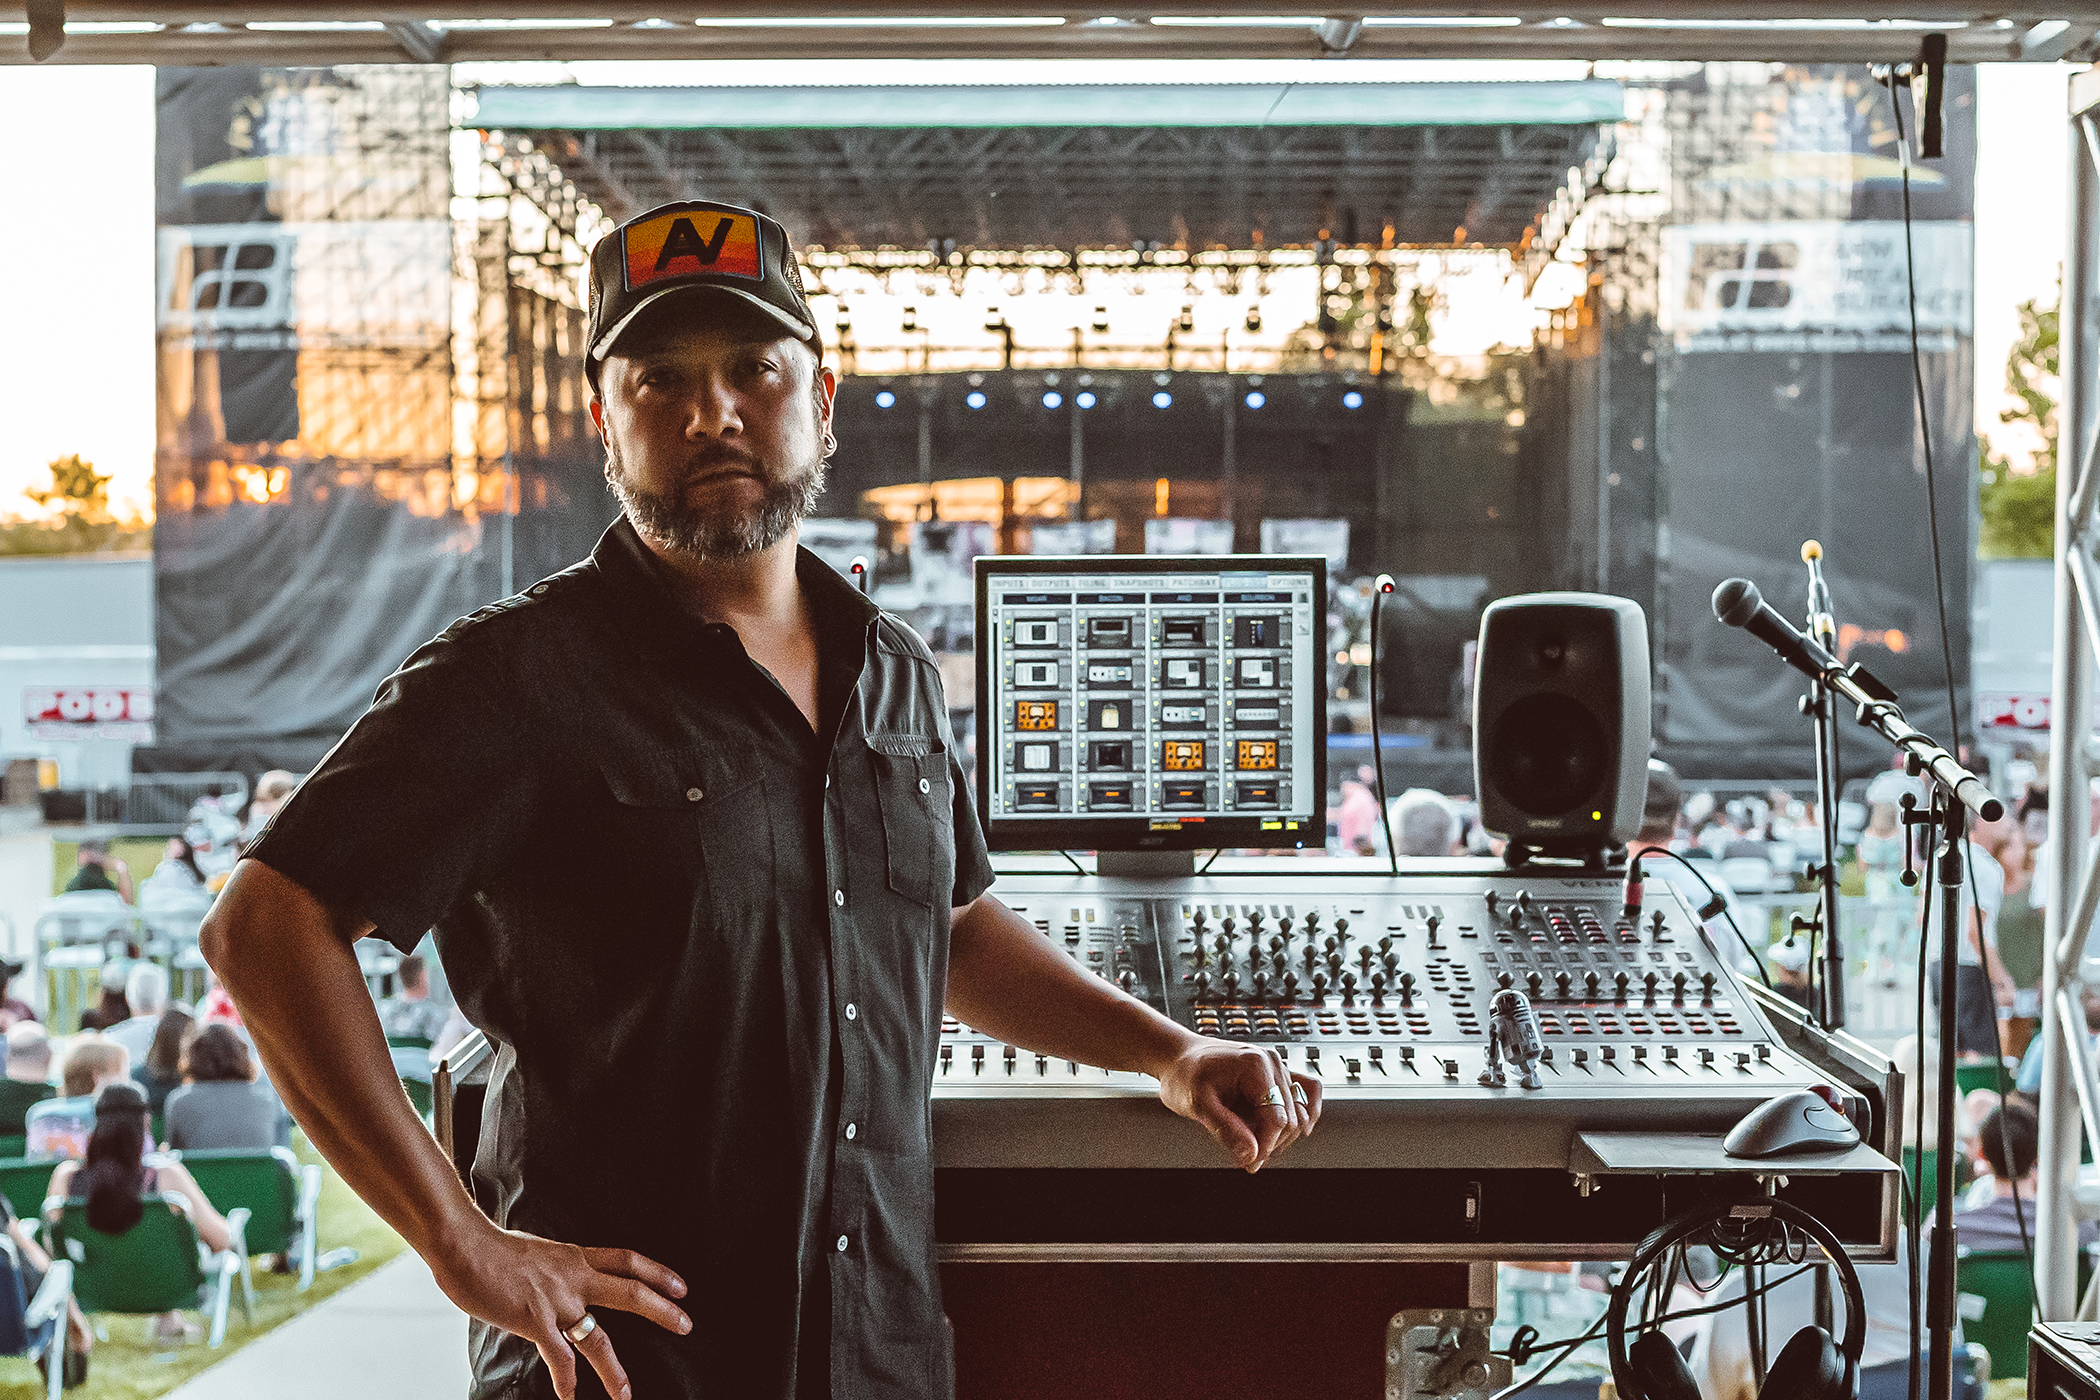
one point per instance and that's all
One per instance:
(692, 242)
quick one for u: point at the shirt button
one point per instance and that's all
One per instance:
(925, 786)
(852, 1011)
(852, 1131)
(842, 1244)
(692, 794)
(838, 897)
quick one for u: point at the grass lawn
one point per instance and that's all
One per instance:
(129, 1367)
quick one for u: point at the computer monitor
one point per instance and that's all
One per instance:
(1135, 703)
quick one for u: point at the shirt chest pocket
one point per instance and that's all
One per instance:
(918, 815)
(682, 830)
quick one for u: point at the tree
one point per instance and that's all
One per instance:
(78, 520)
(2019, 507)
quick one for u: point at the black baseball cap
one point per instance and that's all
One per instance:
(693, 246)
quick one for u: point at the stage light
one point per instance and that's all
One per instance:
(885, 399)
(1053, 399)
(1162, 399)
(1187, 323)
(1085, 399)
(975, 398)
(911, 318)
(1352, 399)
(1100, 318)
(1253, 320)
(1255, 398)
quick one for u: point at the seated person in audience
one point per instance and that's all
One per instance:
(118, 1173)
(1993, 1225)
(12, 1007)
(217, 1006)
(219, 1104)
(60, 1127)
(146, 991)
(28, 1081)
(99, 870)
(178, 869)
(1425, 823)
(411, 1012)
(112, 1009)
(159, 1072)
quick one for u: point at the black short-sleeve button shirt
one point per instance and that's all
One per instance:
(709, 944)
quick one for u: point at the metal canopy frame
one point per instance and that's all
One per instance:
(199, 32)
(2070, 1098)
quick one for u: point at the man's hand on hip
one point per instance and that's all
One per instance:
(1244, 1096)
(540, 1290)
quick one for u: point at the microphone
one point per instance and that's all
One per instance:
(1821, 621)
(1738, 603)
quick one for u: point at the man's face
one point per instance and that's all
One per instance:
(714, 434)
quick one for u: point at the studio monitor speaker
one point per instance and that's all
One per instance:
(1560, 721)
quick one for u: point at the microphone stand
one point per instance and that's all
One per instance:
(1820, 706)
(1956, 791)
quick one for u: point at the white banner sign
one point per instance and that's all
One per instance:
(89, 712)
(1814, 285)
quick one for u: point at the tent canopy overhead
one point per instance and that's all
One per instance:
(200, 32)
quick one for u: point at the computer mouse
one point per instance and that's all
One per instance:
(1802, 1121)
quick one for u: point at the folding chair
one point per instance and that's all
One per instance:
(156, 1266)
(24, 1180)
(281, 1197)
(1995, 1298)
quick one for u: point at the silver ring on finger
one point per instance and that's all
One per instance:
(585, 1325)
(1298, 1090)
(1274, 1098)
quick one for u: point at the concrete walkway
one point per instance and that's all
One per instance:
(393, 1334)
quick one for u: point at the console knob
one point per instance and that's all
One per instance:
(1042, 1064)
(1199, 955)
(1127, 980)
(1706, 1056)
(1228, 925)
(1202, 985)
(1655, 924)
(1224, 947)
(1232, 985)
(1385, 945)
(1312, 919)
(1311, 955)
(1254, 920)
(1391, 961)
(1561, 980)
(1341, 924)
(1276, 945)
(1524, 900)
(977, 1059)
(1377, 986)
(1010, 1054)
(1619, 980)
(1742, 1059)
(1493, 899)
(1648, 980)
(1277, 961)
(1407, 983)
(1677, 980)
(1199, 917)
(1582, 1057)
(1503, 979)
(1348, 983)
(1290, 984)
(1284, 923)
(1319, 985)
(1533, 981)
(1706, 985)
(1261, 985)
(947, 1056)
(1332, 943)
(1363, 958)
(1334, 963)
(1433, 923)
(1589, 983)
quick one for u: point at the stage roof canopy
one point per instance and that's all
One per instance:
(1080, 166)
(400, 31)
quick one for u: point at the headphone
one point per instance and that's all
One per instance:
(1765, 1231)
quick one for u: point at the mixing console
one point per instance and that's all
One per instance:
(1380, 987)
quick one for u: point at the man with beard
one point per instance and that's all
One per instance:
(689, 823)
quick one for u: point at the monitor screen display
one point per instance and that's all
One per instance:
(1133, 703)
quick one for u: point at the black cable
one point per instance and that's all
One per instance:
(1212, 861)
(1939, 590)
(1076, 866)
(1379, 588)
(1718, 905)
(1917, 1192)
(1567, 1346)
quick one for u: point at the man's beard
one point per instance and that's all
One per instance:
(720, 533)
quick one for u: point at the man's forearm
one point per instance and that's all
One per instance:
(304, 1002)
(1007, 980)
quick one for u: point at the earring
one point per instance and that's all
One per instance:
(831, 445)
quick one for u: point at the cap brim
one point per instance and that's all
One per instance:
(798, 329)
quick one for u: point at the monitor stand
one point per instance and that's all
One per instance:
(1146, 865)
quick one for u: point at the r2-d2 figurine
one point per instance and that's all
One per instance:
(1513, 1034)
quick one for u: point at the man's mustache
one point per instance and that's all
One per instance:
(721, 457)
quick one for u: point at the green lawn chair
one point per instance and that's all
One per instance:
(409, 1042)
(1981, 1074)
(24, 1181)
(13, 1146)
(1996, 1302)
(280, 1196)
(156, 1266)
